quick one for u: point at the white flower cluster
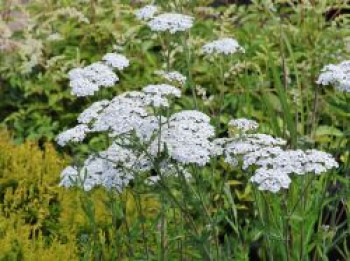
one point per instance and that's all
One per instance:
(234, 148)
(76, 134)
(96, 172)
(172, 76)
(113, 168)
(171, 22)
(157, 95)
(87, 80)
(280, 164)
(122, 115)
(184, 137)
(272, 164)
(224, 46)
(116, 60)
(243, 124)
(147, 12)
(272, 180)
(336, 74)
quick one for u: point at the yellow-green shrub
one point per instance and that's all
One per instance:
(40, 220)
(29, 202)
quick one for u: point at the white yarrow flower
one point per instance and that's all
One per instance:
(76, 134)
(271, 163)
(171, 22)
(115, 60)
(224, 46)
(147, 12)
(186, 136)
(172, 76)
(243, 124)
(271, 180)
(100, 74)
(122, 115)
(162, 90)
(337, 75)
(81, 87)
(86, 81)
(274, 166)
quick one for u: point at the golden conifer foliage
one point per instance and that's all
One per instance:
(29, 202)
(41, 221)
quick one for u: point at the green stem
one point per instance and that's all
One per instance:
(162, 233)
(189, 73)
(314, 111)
(92, 11)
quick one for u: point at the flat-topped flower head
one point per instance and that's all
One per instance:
(96, 172)
(171, 22)
(275, 166)
(162, 90)
(271, 180)
(76, 134)
(243, 124)
(113, 168)
(115, 60)
(319, 161)
(122, 115)
(237, 146)
(225, 46)
(100, 74)
(121, 155)
(172, 76)
(157, 94)
(147, 12)
(337, 75)
(81, 87)
(87, 80)
(187, 137)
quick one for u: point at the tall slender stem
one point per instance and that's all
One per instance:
(189, 73)
(162, 233)
(92, 11)
(314, 111)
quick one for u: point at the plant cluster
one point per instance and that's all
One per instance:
(208, 134)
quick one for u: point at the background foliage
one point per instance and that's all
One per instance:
(274, 82)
